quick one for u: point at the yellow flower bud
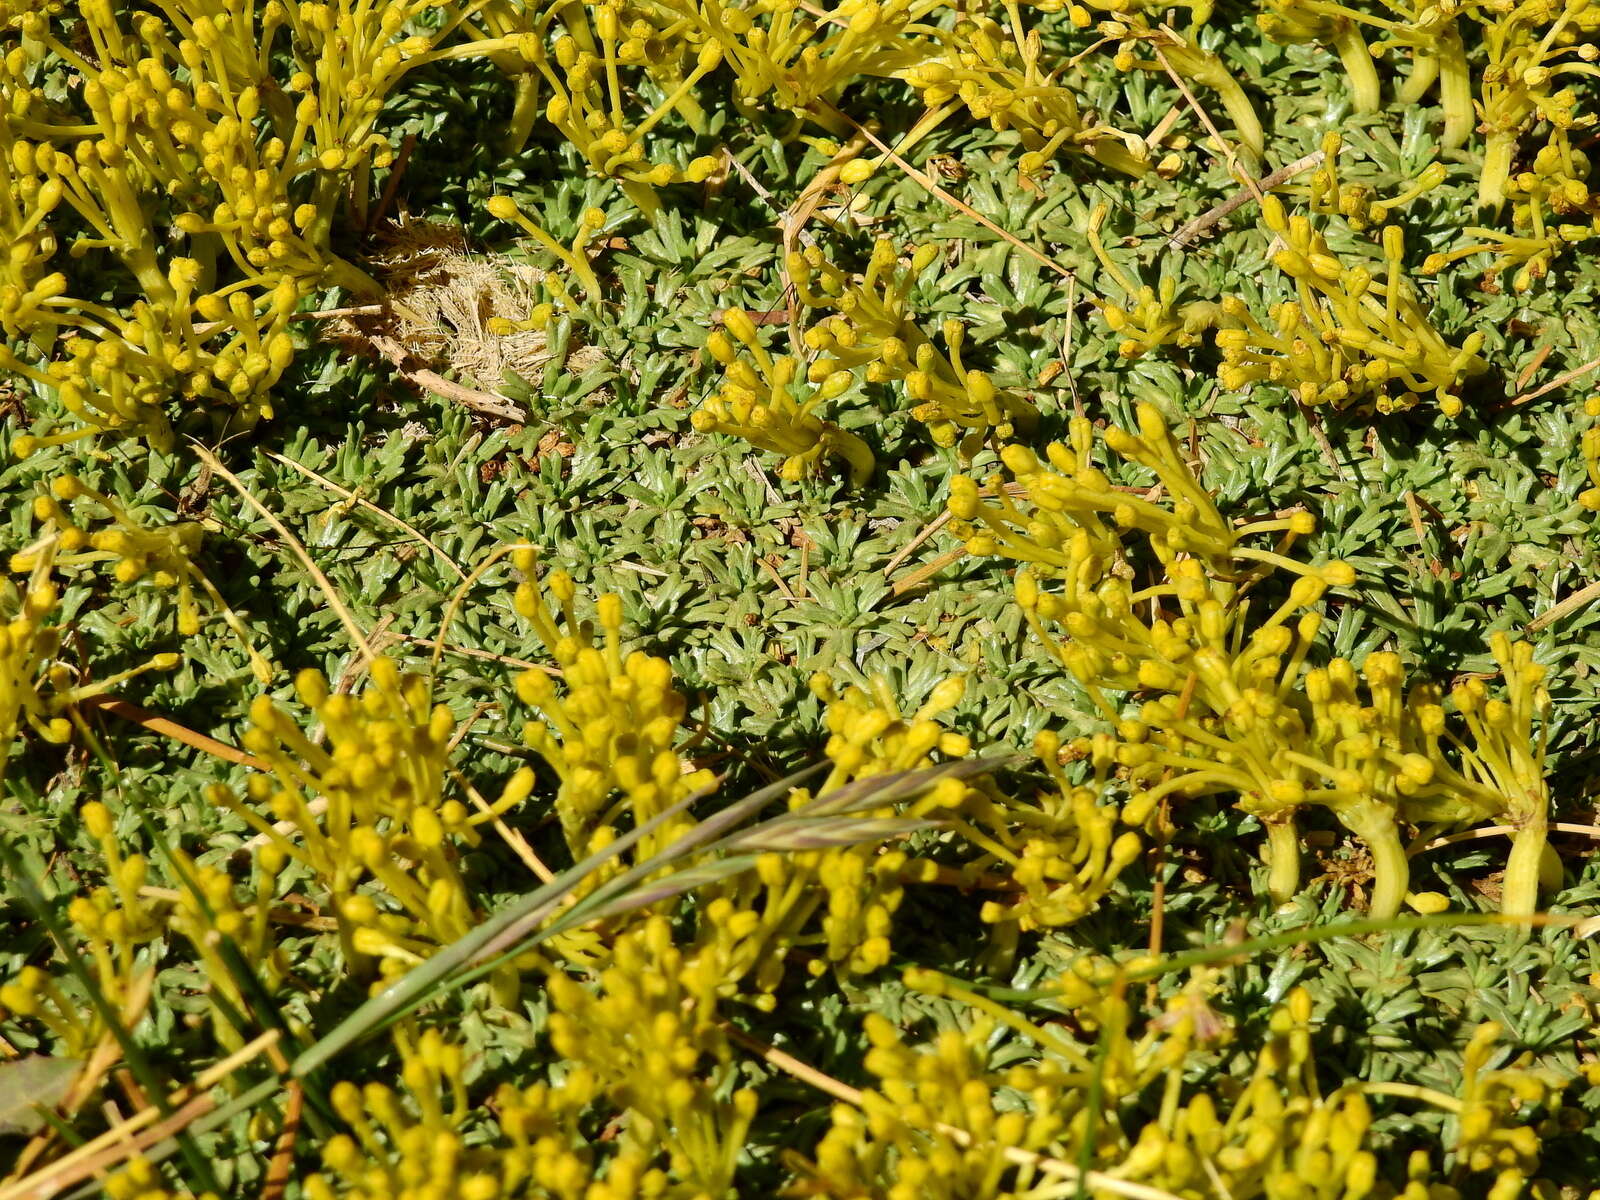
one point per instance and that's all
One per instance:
(96, 819)
(857, 171)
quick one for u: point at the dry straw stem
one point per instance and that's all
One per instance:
(1242, 197)
(932, 527)
(281, 1166)
(923, 534)
(460, 595)
(788, 222)
(396, 173)
(488, 404)
(281, 915)
(792, 225)
(1534, 363)
(1156, 136)
(100, 1061)
(139, 1132)
(361, 502)
(816, 190)
(294, 544)
(1566, 607)
(512, 838)
(823, 1082)
(783, 587)
(167, 727)
(960, 206)
(1561, 380)
(1066, 345)
(1588, 831)
(329, 314)
(1231, 156)
(486, 655)
(927, 571)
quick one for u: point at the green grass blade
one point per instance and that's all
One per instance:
(406, 992)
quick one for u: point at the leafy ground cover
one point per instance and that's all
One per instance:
(472, 587)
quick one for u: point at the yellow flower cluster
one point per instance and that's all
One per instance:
(1489, 1136)
(584, 70)
(871, 330)
(1049, 861)
(650, 1037)
(163, 556)
(1061, 853)
(1000, 74)
(1325, 21)
(1356, 202)
(1279, 1137)
(868, 735)
(1427, 32)
(35, 688)
(1148, 318)
(179, 122)
(1154, 601)
(28, 645)
(798, 58)
(942, 1123)
(113, 922)
(367, 815)
(1534, 53)
(1590, 446)
(206, 909)
(1534, 47)
(132, 551)
(1501, 773)
(1131, 28)
(1552, 209)
(1351, 336)
(424, 1140)
(612, 726)
(112, 927)
(609, 732)
(391, 1151)
(758, 404)
(933, 1126)
(413, 1140)
(34, 996)
(833, 903)
(140, 1180)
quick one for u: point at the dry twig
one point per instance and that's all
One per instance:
(167, 727)
(1561, 380)
(487, 403)
(1239, 199)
